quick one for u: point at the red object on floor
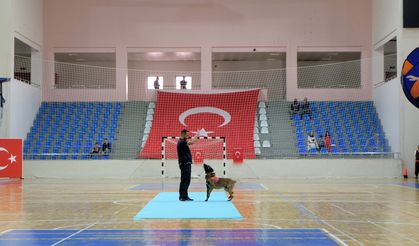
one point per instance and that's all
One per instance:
(237, 155)
(10, 158)
(405, 173)
(230, 115)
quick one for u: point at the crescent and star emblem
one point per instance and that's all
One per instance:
(200, 110)
(12, 158)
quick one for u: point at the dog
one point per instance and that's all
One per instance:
(213, 182)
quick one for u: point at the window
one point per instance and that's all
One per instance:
(188, 80)
(329, 69)
(85, 70)
(23, 62)
(390, 60)
(155, 82)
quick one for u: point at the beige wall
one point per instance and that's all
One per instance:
(325, 25)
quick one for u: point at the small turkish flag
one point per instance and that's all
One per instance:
(198, 157)
(237, 155)
(10, 158)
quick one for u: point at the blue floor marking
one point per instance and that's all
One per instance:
(240, 237)
(410, 185)
(193, 186)
(166, 205)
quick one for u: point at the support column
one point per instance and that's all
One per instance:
(292, 76)
(122, 73)
(206, 68)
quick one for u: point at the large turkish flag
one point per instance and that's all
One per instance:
(10, 158)
(230, 115)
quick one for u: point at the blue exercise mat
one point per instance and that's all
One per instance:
(192, 186)
(166, 205)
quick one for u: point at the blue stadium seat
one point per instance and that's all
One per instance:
(71, 124)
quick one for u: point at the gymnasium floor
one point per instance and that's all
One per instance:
(285, 212)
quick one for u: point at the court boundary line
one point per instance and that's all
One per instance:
(329, 220)
(316, 218)
(398, 234)
(264, 186)
(337, 239)
(342, 209)
(72, 235)
(6, 231)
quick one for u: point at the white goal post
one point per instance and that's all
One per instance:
(163, 153)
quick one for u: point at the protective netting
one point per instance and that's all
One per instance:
(85, 104)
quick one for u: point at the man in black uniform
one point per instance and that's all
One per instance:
(417, 162)
(185, 161)
(183, 83)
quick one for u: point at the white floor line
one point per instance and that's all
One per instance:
(334, 237)
(129, 188)
(6, 231)
(122, 203)
(72, 235)
(391, 231)
(344, 210)
(343, 233)
(69, 226)
(264, 186)
(328, 224)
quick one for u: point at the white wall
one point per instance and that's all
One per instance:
(23, 108)
(385, 19)
(387, 102)
(388, 22)
(28, 19)
(409, 114)
(315, 168)
(22, 19)
(6, 47)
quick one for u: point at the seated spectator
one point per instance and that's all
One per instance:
(106, 147)
(96, 150)
(328, 142)
(321, 143)
(305, 108)
(312, 142)
(295, 108)
(183, 83)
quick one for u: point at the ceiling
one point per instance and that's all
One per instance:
(165, 56)
(248, 56)
(328, 56)
(85, 57)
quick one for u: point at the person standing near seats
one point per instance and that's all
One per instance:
(295, 108)
(322, 143)
(417, 162)
(305, 108)
(183, 83)
(185, 162)
(328, 141)
(156, 83)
